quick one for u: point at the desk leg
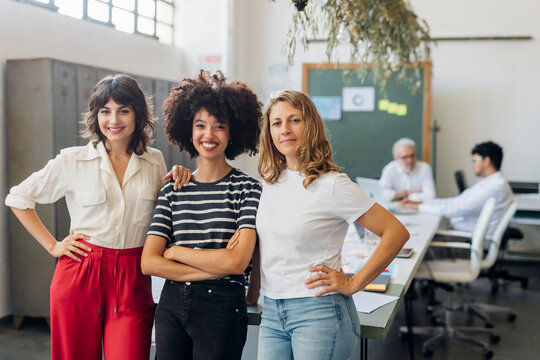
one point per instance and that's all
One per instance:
(410, 296)
(363, 348)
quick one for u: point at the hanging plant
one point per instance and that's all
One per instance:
(386, 34)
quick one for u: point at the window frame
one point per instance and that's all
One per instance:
(50, 5)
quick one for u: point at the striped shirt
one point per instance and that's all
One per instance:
(206, 215)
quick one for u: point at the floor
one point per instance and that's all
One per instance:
(519, 339)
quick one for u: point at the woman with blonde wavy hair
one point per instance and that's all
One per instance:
(305, 209)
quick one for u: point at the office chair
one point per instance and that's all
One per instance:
(459, 176)
(453, 271)
(489, 260)
(496, 273)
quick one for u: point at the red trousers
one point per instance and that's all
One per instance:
(104, 299)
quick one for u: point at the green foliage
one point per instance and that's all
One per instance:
(383, 33)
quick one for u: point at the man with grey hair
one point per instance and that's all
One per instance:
(405, 176)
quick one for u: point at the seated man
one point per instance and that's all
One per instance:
(405, 177)
(463, 210)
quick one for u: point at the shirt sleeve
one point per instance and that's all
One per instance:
(468, 202)
(428, 186)
(162, 221)
(349, 201)
(386, 184)
(248, 206)
(45, 186)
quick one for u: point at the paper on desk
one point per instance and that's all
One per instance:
(367, 302)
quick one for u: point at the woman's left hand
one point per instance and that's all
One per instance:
(331, 279)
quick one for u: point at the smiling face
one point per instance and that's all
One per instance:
(116, 122)
(210, 136)
(287, 127)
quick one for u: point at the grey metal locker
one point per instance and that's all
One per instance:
(66, 128)
(87, 77)
(31, 133)
(161, 140)
(146, 85)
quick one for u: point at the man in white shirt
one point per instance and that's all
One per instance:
(463, 210)
(406, 177)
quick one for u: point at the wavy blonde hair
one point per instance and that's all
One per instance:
(314, 151)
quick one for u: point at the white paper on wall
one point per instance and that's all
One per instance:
(358, 98)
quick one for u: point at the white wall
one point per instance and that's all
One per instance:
(201, 29)
(31, 32)
(481, 90)
(485, 90)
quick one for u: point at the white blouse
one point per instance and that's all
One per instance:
(112, 215)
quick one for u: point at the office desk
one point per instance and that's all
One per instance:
(422, 228)
(528, 210)
(527, 220)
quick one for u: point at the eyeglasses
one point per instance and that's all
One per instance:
(476, 158)
(412, 156)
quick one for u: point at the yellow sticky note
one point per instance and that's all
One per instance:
(393, 107)
(401, 110)
(383, 105)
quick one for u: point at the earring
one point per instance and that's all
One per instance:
(230, 141)
(191, 140)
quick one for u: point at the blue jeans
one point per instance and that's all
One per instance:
(311, 328)
(201, 320)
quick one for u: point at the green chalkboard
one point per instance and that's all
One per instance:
(362, 140)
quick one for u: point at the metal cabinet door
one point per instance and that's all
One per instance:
(65, 122)
(161, 140)
(87, 77)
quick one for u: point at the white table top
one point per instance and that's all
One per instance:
(422, 228)
(530, 202)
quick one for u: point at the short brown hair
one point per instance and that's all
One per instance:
(124, 90)
(232, 103)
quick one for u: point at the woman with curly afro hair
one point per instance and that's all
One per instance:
(202, 310)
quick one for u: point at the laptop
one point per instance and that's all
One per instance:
(373, 189)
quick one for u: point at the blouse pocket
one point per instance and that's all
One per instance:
(90, 197)
(146, 202)
(92, 211)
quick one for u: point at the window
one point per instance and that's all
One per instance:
(153, 18)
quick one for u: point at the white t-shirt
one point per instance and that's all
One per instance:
(396, 178)
(299, 228)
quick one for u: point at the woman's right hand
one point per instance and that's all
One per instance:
(71, 246)
(180, 175)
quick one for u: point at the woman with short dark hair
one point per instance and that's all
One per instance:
(101, 303)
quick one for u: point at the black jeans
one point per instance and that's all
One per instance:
(201, 320)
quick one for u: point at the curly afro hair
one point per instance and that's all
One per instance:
(234, 104)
